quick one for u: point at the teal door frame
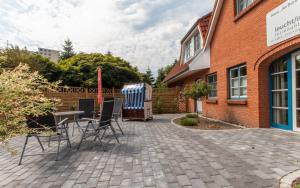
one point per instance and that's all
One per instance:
(288, 127)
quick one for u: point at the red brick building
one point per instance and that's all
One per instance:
(251, 58)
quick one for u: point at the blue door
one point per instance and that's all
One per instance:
(281, 93)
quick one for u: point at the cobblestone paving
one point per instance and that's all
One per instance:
(159, 154)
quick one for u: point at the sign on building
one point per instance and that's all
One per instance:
(283, 22)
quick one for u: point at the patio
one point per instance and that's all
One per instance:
(160, 154)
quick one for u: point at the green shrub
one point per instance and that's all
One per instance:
(189, 121)
(158, 105)
(191, 116)
(22, 93)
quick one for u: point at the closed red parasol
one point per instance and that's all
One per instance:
(100, 98)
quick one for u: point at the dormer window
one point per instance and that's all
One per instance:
(192, 46)
(242, 4)
(189, 52)
(197, 41)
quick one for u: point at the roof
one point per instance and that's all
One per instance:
(213, 21)
(176, 70)
(180, 67)
(204, 24)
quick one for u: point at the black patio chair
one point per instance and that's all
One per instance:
(95, 126)
(55, 132)
(88, 106)
(117, 112)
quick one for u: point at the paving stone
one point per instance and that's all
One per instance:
(171, 178)
(83, 178)
(68, 184)
(160, 154)
(221, 181)
(105, 176)
(213, 185)
(183, 180)
(149, 181)
(102, 184)
(198, 183)
(115, 180)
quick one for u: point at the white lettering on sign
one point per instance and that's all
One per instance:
(283, 22)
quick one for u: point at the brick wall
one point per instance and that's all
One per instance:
(190, 104)
(170, 99)
(243, 40)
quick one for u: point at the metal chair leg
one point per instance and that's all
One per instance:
(38, 139)
(23, 151)
(68, 138)
(117, 122)
(103, 134)
(83, 137)
(58, 147)
(114, 133)
(98, 137)
(78, 127)
(104, 149)
(73, 128)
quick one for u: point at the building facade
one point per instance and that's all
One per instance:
(53, 55)
(192, 49)
(254, 64)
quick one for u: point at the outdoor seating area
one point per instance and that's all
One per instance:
(55, 127)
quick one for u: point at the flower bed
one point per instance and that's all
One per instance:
(190, 120)
(296, 183)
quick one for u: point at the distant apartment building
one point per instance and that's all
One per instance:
(53, 55)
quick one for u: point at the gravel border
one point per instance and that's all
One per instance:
(288, 180)
(224, 122)
(240, 128)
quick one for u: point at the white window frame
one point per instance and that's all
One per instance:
(200, 41)
(239, 82)
(295, 89)
(246, 4)
(193, 51)
(215, 82)
(188, 50)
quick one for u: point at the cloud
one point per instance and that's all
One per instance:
(144, 32)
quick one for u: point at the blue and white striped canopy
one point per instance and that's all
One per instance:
(134, 96)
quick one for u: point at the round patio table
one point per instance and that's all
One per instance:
(75, 114)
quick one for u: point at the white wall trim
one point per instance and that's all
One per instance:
(294, 85)
(213, 23)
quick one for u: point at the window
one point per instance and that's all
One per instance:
(279, 73)
(192, 46)
(197, 42)
(238, 82)
(212, 82)
(188, 50)
(242, 4)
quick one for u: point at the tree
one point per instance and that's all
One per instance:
(68, 50)
(22, 95)
(162, 73)
(81, 71)
(109, 53)
(198, 90)
(11, 57)
(148, 77)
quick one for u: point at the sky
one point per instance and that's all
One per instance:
(146, 33)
